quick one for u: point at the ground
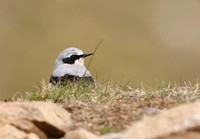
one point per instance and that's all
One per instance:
(109, 107)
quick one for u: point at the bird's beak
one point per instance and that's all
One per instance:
(86, 55)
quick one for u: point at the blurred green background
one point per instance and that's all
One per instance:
(143, 39)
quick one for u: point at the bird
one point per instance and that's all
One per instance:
(69, 68)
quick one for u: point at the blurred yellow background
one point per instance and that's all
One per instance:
(143, 39)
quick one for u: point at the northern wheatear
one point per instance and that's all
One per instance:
(69, 67)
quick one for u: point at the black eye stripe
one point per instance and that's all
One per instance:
(76, 56)
(68, 60)
(71, 59)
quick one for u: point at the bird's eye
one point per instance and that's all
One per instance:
(73, 57)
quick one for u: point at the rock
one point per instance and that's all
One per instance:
(42, 118)
(112, 136)
(81, 134)
(27, 127)
(179, 122)
(10, 132)
(34, 120)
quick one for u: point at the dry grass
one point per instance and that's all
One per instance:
(111, 108)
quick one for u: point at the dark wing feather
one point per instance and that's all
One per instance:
(65, 79)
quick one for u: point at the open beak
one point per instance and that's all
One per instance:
(86, 55)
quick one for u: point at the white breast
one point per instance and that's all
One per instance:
(75, 70)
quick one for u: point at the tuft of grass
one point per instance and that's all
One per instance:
(59, 94)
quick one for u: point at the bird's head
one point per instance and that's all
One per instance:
(71, 56)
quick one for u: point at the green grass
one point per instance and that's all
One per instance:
(109, 129)
(109, 107)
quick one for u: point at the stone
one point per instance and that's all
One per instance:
(11, 132)
(28, 127)
(81, 134)
(178, 122)
(112, 136)
(45, 119)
